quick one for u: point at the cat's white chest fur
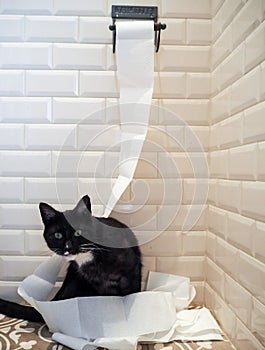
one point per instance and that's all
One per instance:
(81, 258)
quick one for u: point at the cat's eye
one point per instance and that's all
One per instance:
(77, 233)
(58, 235)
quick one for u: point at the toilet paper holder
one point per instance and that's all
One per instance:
(136, 12)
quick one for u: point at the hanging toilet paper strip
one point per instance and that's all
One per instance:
(135, 68)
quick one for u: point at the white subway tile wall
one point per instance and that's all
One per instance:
(235, 243)
(59, 140)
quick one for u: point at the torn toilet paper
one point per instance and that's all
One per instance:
(155, 314)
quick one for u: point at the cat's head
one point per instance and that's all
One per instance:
(64, 231)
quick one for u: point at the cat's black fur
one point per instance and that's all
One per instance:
(108, 263)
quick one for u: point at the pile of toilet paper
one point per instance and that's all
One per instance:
(158, 314)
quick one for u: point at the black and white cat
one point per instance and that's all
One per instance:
(104, 258)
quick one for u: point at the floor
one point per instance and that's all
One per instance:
(18, 334)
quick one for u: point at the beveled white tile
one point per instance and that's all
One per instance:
(230, 131)
(215, 277)
(227, 257)
(51, 28)
(30, 7)
(17, 268)
(182, 217)
(194, 243)
(12, 242)
(99, 190)
(164, 138)
(11, 28)
(143, 218)
(217, 220)
(26, 55)
(156, 191)
(88, 34)
(241, 232)
(221, 105)
(253, 199)
(20, 216)
(98, 138)
(224, 16)
(11, 189)
(222, 47)
(184, 58)
(199, 32)
(50, 137)
(254, 126)
(11, 82)
(50, 190)
(195, 191)
(198, 85)
(75, 164)
(245, 20)
(35, 244)
(11, 136)
(52, 83)
(175, 32)
(238, 299)
(182, 165)
(196, 138)
(229, 195)
(225, 316)
(25, 163)
(80, 8)
(231, 68)
(98, 84)
(169, 85)
(245, 91)
(79, 56)
(178, 8)
(8, 291)
(166, 244)
(243, 162)
(147, 166)
(78, 110)
(25, 109)
(191, 111)
(219, 163)
(251, 275)
(192, 267)
(255, 47)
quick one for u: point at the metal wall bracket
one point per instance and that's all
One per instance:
(138, 13)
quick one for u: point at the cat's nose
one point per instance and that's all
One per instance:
(68, 248)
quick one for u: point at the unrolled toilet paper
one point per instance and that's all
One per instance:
(135, 69)
(118, 323)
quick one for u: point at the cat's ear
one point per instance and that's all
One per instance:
(84, 205)
(47, 212)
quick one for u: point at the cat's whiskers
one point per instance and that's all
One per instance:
(90, 247)
(57, 251)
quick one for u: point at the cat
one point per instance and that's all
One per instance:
(103, 254)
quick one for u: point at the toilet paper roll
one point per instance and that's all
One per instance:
(135, 68)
